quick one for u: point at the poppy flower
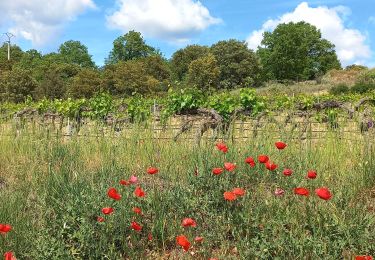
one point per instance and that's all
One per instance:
(189, 222)
(9, 256)
(152, 170)
(311, 174)
(287, 172)
(183, 241)
(137, 210)
(363, 257)
(279, 192)
(112, 193)
(301, 191)
(238, 191)
(250, 161)
(139, 192)
(107, 211)
(149, 237)
(124, 182)
(263, 158)
(271, 166)
(100, 219)
(198, 239)
(5, 228)
(133, 179)
(228, 195)
(136, 226)
(280, 145)
(229, 166)
(323, 193)
(222, 147)
(213, 259)
(217, 171)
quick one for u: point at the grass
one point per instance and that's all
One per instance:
(53, 189)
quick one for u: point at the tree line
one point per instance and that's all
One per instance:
(293, 51)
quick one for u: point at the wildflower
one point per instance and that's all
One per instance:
(301, 191)
(228, 195)
(280, 145)
(287, 172)
(9, 256)
(112, 193)
(323, 193)
(149, 237)
(133, 179)
(107, 211)
(250, 161)
(5, 228)
(222, 147)
(137, 210)
(279, 192)
(238, 191)
(263, 158)
(139, 192)
(311, 174)
(124, 182)
(271, 166)
(152, 170)
(229, 166)
(100, 219)
(183, 241)
(363, 257)
(198, 239)
(189, 222)
(217, 171)
(136, 226)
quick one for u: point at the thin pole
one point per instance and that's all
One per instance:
(9, 35)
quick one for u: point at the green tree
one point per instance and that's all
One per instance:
(182, 58)
(129, 47)
(19, 85)
(239, 66)
(85, 83)
(296, 51)
(74, 52)
(204, 73)
(15, 56)
(52, 85)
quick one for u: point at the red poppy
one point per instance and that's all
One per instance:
(139, 192)
(124, 182)
(5, 228)
(311, 174)
(363, 257)
(107, 211)
(136, 226)
(263, 158)
(280, 145)
(183, 241)
(228, 195)
(152, 170)
(198, 239)
(9, 256)
(287, 172)
(271, 166)
(217, 171)
(250, 161)
(238, 191)
(189, 222)
(137, 210)
(213, 259)
(149, 237)
(229, 166)
(323, 193)
(133, 179)
(222, 147)
(100, 219)
(279, 192)
(301, 191)
(112, 193)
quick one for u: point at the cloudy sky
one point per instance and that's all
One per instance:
(172, 24)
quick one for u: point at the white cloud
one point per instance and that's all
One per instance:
(350, 43)
(171, 20)
(38, 20)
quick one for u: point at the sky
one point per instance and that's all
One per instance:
(172, 24)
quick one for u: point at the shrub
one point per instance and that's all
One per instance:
(339, 89)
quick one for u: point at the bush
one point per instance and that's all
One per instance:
(339, 89)
(363, 87)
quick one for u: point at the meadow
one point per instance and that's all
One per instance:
(169, 203)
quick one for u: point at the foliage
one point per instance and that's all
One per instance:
(74, 52)
(339, 89)
(204, 73)
(85, 83)
(100, 105)
(139, 109)
(19, 84)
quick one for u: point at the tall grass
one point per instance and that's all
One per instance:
(54, 188)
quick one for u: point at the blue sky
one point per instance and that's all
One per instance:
(172, 24)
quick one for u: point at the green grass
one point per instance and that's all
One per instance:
(55, 188)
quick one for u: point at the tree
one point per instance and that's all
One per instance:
(19, 85)
(129, 47)
(296, 51)
(52, 85)
(239, 66)
(74, 52)
(204, 72)
(15, 56)
(182, 58)
(85, 83)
